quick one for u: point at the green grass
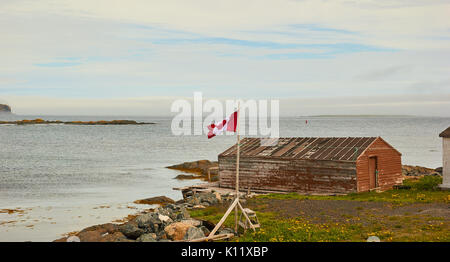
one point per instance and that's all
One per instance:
(391, 196)
(277, 229)
(422, 191)
(282, 230)
(404, 227)
(426, 183)
(296, 230)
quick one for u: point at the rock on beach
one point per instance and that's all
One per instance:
(177, 230)
(160, 200)
(200, 168)
(194, 233)
(408, 170)
(170, 222)
(131, 230)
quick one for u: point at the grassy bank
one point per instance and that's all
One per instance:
(416, 214)
(423, 190)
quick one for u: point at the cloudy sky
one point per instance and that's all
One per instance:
(137, 56)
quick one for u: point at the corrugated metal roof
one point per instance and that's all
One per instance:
(445, 133)
(316, 148)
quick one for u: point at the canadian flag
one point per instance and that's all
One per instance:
(228, 124)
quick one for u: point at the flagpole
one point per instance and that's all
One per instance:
(235, 205)
(237, 170)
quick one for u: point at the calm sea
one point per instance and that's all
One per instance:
(65, 178)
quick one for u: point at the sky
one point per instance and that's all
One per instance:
(135, 57)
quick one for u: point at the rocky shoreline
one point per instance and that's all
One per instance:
(417, 171)
(199, 169)
(169, 222)
(39, 121)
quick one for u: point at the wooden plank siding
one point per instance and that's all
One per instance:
(389, 165)
(289, 175)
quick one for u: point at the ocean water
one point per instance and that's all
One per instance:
(67, 177)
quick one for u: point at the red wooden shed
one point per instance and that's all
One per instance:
(320, 165)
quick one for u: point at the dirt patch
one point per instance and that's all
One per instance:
(324, 211)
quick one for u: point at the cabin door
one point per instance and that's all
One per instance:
(373, 172)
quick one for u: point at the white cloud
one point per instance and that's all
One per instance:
(106, 49)
(391, 23)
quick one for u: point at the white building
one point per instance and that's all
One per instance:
(445, 158)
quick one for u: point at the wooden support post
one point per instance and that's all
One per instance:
(233, 205)
(216, 237)
(193, 195)
(237, 170)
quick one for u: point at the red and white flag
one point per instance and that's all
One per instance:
(228, 124)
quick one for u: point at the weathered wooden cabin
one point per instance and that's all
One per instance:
(319, 165)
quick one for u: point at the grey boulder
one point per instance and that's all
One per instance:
(147, 238)
(194, 233)
(131, 230)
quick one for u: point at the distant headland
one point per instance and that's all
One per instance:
(5, 108)
(360, 116)
(39, 121)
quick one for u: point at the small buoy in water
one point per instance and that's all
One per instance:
(373, 239)
(73, 239)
